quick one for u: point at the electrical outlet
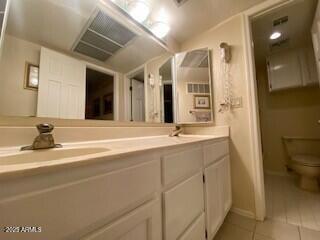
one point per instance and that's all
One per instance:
(236, 102)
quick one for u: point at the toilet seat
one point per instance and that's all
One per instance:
(307, 160)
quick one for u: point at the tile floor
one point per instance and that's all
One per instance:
(237, 227)
(286, 203)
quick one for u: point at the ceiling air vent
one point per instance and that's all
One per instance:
(280, 21)
(180, 2)
(103, 37)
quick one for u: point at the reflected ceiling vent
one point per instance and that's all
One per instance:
(280, 21)
(103, 38)
(180, 2)
(196, 59)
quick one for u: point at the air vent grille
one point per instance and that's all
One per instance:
(91, 51)
(99, 41)
(111, 29)
(202, 88)
(103, 38)
(280, 21)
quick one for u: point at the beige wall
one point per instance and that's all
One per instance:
(238, 119)
(15, 100)
(292, 112)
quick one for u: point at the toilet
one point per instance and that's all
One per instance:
(308, 168)
(303, 157)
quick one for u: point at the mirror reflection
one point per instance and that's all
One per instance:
(193, 87)
(98, 60)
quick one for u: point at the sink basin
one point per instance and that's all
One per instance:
(48, 155)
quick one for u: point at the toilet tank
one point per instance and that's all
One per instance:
(301, 145)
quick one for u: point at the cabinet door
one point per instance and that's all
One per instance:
(142, 224)
(284, 71)
(218, 194)
(196, 231)
(226, 185)
(182, 205)
(213, 197)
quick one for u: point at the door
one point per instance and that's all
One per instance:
(137, 101)
(214, 176)
(61, 92)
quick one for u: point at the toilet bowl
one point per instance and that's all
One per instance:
(308, 168)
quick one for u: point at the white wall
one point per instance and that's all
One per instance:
(238, 119)
(15, 100)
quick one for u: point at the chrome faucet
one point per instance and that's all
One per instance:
(176, 132)
(44, 140)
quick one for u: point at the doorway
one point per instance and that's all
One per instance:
(166, 77)
(288, 100)
(99, 95)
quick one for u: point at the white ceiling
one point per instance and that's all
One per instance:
(297, 29)
(196, 16)
(58, 23)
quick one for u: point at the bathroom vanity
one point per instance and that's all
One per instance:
(141, 188)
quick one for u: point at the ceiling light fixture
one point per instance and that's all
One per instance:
(139, 10)
(160, 29)
(275, 35)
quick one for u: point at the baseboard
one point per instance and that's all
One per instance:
(244, 213)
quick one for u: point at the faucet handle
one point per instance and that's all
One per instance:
(45, 128)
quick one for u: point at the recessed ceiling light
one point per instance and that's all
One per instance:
(139, 9)
(160, 29)
(275, 35)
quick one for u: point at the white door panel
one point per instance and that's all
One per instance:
(138, 112)
(61, 91)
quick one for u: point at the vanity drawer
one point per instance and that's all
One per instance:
(144, 223)
(215, 151)
(196, 231)
(179, 164)
(65, 210)
(182, 205)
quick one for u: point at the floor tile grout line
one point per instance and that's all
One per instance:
(299, 230)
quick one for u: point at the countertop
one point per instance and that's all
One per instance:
(115, 148)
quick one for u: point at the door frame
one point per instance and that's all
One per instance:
(127, 94)
(254, 121)
(116, 79)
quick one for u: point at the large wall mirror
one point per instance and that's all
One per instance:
(97, 60)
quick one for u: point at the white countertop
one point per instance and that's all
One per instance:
(115, 148)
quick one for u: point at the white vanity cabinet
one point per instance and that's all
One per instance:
(196, 205)
(176, 193)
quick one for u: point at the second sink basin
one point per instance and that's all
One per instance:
(48, 155)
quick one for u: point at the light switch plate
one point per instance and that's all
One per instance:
(236, 102)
